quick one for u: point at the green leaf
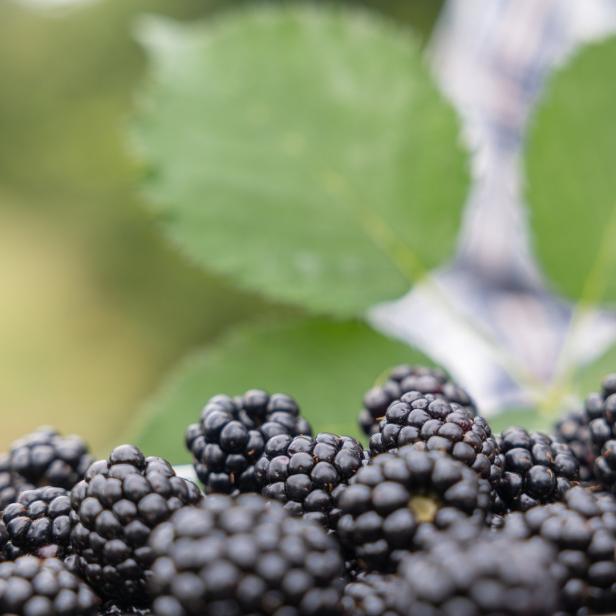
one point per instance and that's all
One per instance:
(302, 151)
(571, 164)
(327, 366)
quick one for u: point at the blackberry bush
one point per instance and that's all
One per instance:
(388, 500)
(231, 435)
(306, 474)
(538, 469)
(30, 586)
(117, 505)
(582, 529)
(403, 379)
(244, 555)
(39, 522)
(436, 424)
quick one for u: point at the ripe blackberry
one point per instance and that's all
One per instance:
(583, 531)
(30, 586)
(537, 469)
(486, 574)
(372, 594)
(439, 425)
(117, 504)
(403, 379)
(39, 523)
(574, 431)
(244, 555)
(11, 484)
(396, 493)
(231, 435)
(44, 457)
(306, 474)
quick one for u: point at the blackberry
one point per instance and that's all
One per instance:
(485, 574)
(538, 469)
(574, 431)
(372, 594)
(396, 493)
(39, 522)
(43, 587)
(436, 424)
(583, 531)
(231, 435)
(306, 474)
(244, 555)
(117, 504)
(44, 457)
(11, 484)
(403, 379)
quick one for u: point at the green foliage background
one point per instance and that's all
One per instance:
(96, 306)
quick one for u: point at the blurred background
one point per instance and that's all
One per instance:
(95, 307)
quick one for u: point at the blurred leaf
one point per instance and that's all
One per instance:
(526, 418)
(327, 366)
(304, 152)
(588, 378)
(572, 184)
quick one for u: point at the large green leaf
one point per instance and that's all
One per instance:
(325, 365)
(302, 151)
(571, 165)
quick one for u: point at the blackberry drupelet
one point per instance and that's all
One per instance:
(30, 586)
(117, 504)
(39, 523)
(583, 531)
(403, 379)
(11, 484)
(244, 555)
(436, 424)
(486, 574)
(231, 435)
(388, 500)
(538, 469)
(372, 594)
(306, 474)
(574, 431)
(44, 457)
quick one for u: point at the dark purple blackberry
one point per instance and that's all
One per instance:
(372, 594)
(44, 458)
(231, 435)
(11, 484)
(39, 523)
(117, 504)
(574, 431)
(583, 531)
(244, 555)
(30, 586)
(306, 473)
(538, 469)
(396, 493)
(403, 379)
(435, 424)
(486, 574)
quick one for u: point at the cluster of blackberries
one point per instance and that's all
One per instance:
(438, 516)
